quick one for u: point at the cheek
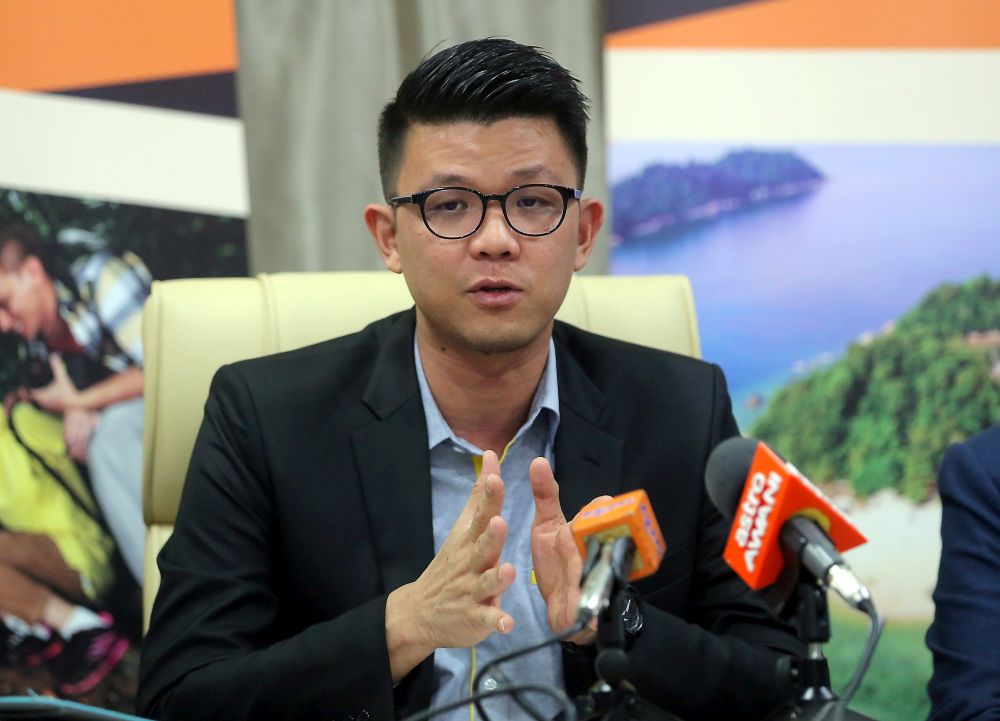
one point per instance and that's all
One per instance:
(420, 254)
(561, 258)
(14, 308)
(429, 272)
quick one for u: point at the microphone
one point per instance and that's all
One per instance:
(620, 541)
(775, 507)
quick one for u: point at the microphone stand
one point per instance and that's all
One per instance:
(613, 698)
(815, 700)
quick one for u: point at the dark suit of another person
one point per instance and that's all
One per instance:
(308, 500)
(965, 635)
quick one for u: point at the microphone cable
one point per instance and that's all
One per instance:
(577, 626)
(568, 708)
(874, 633)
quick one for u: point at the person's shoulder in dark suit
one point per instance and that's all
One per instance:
(965, 635)
(628, 368)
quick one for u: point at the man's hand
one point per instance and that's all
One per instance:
(78, 427)
(456, 601)
(555, 556)
(60, 395)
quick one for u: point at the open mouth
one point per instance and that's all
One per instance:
(494, 286)
(495, 293)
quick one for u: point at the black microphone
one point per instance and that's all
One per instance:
(777, 510)
(775, 506)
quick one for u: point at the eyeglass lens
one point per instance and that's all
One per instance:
(532, 210)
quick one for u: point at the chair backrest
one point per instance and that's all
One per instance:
(192, 327)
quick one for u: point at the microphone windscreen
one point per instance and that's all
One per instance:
(629, 514)
(726, 472)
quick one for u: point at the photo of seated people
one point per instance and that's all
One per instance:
(71, 379)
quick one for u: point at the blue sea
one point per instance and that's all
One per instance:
(783, 287)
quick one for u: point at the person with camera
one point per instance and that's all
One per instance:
(81, 402)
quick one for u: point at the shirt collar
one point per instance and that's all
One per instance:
(546, 398)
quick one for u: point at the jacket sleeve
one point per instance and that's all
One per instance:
(966, 679)
(214, 649)
(720, 659)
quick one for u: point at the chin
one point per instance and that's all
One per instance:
(500, 340)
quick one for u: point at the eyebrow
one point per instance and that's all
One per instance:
(531, 172)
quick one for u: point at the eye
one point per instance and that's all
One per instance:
(534, 202)
(447, 202)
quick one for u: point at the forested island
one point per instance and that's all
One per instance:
(671, 196)
(883, 415)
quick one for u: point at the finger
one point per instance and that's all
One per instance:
(495, 619)
(488, 505)
(599, 499)
(75, 449)
(568, 551)
(486, 551)
(490, 466)
(546, 492)
(493, 582)
(58, 367)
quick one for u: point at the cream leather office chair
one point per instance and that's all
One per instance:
(192, 327)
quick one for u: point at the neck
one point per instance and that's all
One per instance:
(484, 398)
(53, 328)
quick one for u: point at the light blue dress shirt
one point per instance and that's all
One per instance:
(453, 472)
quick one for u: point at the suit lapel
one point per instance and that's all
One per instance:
(393, 462)
(588, 459)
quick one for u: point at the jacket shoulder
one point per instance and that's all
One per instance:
(318, 374)
(342, 349)
(599, 353)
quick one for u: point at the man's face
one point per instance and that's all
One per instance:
(22, 309)
(495, 291)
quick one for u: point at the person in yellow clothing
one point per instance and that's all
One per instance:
(32, 500)
(56, 554)
(55, 557)
(83, 324)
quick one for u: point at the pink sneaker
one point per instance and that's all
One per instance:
(29, 651)
(89, 656)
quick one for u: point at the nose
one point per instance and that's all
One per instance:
(495, 238)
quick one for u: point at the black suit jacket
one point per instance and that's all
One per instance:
(308, 499)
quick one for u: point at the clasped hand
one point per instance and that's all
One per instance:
(456, 600)
(60, 395)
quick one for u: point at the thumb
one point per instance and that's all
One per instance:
(58, 366)
(546, 492)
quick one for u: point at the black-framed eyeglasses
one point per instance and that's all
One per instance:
(454, 213)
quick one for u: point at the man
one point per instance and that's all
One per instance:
(367, 522)
(55, 554)
(966, 680)
(90, 320)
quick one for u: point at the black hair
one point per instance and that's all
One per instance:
(484, 81)
(25, 239)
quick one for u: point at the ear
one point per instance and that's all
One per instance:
(591, 220)
(380, 222)
(32, 268)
